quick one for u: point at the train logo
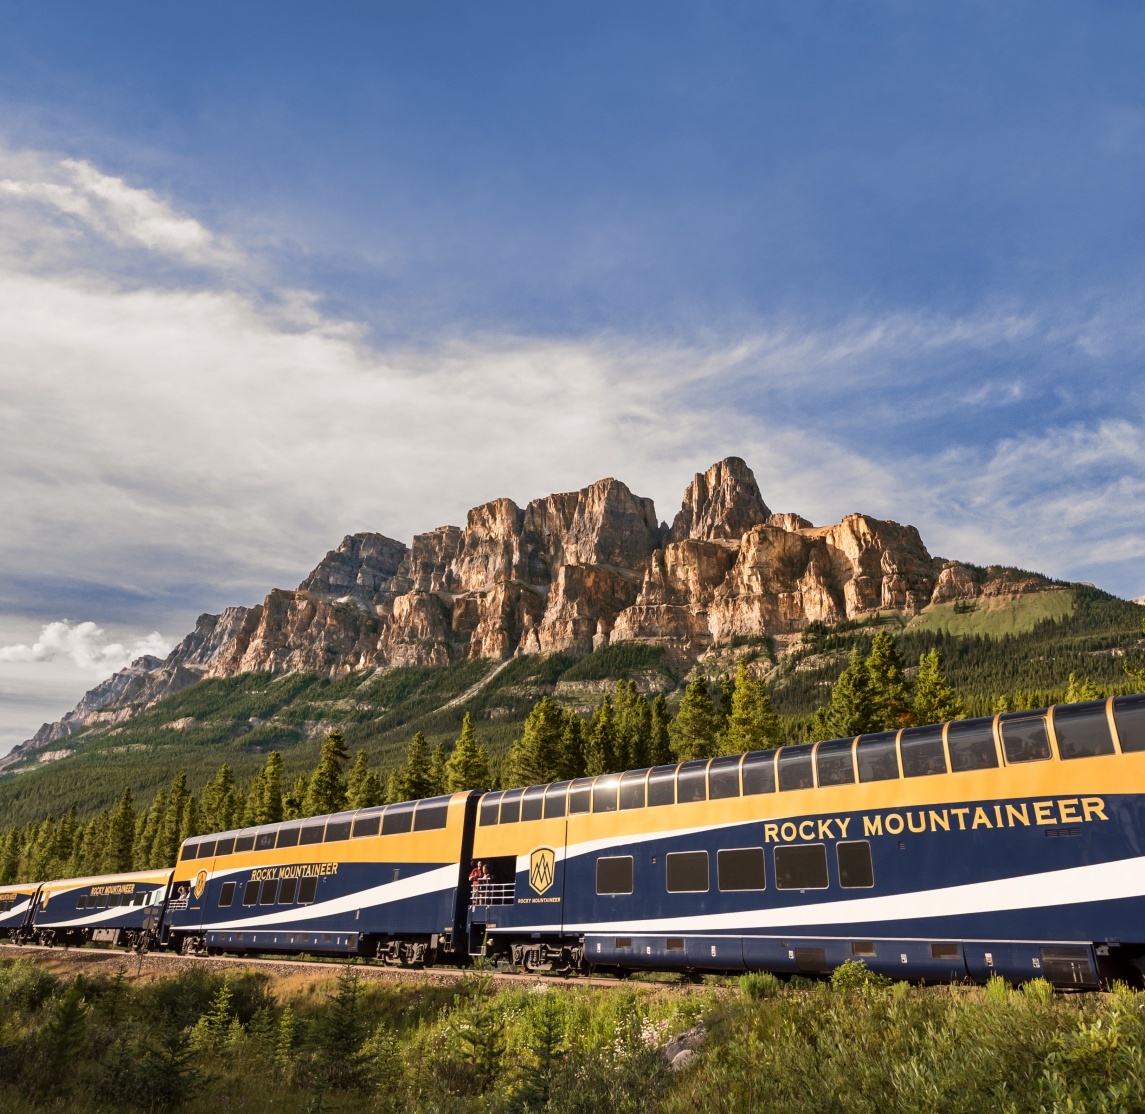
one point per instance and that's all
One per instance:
(542, 869)
(200, 883)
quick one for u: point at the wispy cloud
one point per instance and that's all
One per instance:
(86, 646)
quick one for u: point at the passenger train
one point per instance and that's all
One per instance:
(1011, 845)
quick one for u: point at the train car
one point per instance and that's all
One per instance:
(116, 909)
(16, 905)
(1009, 845)
(390, 882)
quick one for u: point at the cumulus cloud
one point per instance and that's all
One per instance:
(86, 646)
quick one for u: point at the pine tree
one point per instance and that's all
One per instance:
(120, 836)
(166, 847)
(727, 696)
(850, 710)
(190, 825)
(10, 857)
(1081, 691)
(633, 727)
(264, 801)
(412, 782)
(437, 763)
(600, 751)
(364, 788)
(294, 801)
(572, 759)
(468, 765)
(751, 722)
(934, 700)
(221, 805)
(660, 745)
(152, 821)
(693, 731)
(535, 758)
(890, 697)
(326, 791)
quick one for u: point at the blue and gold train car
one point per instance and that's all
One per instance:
(387, 881)
(1011, 845)
(117, 909)
(16, 905)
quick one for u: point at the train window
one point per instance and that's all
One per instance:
(758, 772)
(833, 762)
(140, 898)
(307, 890)
(686, 872)
(288, 835)
(250, 892)
(922, 751)
(226, 895)
(580, 795)
(723, 777)
(692, 781)
(633, 786)
(1129, 715)
(1082, 729)
(490, 806)
(91, 900)
(604, 793)
(741, 868)
(190, 850)
(511, 806)
(795, 768)
(971, 744)
(244, 843)
(555, 800)
(265, 839)
(944, 951)
(1024, 737)
(101, 901)
(614, 874)
(81, 903)
(802, 867)
(863, 947)
(674, 944)
(113, 901)
(312, 832)
(662, 786)
(269, 892)
(397, 819)
(878, 758)
(286, 891)
(338, 828)
(431, 815)
(856, 872)
(367, 823)
(533, 803)
(206, 848)
(225, 846)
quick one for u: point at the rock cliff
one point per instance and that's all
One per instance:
(567, 573)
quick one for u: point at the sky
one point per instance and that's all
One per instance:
(275, 273)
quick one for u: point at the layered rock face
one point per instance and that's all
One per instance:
(568, 573)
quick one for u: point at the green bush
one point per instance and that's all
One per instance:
(854, 974)
(759, 984)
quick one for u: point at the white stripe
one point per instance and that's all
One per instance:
(1077, 885)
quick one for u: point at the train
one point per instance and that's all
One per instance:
(1011, 845)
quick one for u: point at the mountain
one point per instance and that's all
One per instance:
(568, 574)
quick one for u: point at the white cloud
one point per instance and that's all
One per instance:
(86, 646)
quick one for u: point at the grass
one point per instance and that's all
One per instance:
(996, 616)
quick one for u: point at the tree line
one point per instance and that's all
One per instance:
(625, 731)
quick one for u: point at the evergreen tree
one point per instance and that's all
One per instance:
(117, 849)
(10, 857)
(166, 847)
(850, 710)
(326, 791)
(264, 801)
(660, 745)
(751, 722)
(412, 781)
(364, 788)
(152, 821)
(190, 825)
(633, 727)
(294, 801)
(600, 751)
(693, 731)
(221, 806)
(437, 764)
(934, 700)
(468, 765)
(535, 758)
(727, 696)
(1081, 691)
(572, 760)
(890, 698)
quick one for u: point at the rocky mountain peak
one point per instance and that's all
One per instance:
(721, 504)
(364, 567)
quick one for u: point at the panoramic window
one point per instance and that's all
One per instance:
(432, 814)
(533, 803)
(741, 868)
(1129, 715)
(206, 848)
(834, 763)
(662, 786)
(632, 787)
(802, 867)
(490, 806)
(692, 781)
(758, 772)
(795, 770)
(1082, 730)
(686, 871)
(614, 875)
(264, 840)
(878, 756)
(511, 806)
(397, 819)
(246, 843)
(1024, 737)
(922, 751)
(225, 846)
(604, 793)
(555, 800)
(723, 777)
(190, 850)
(580, 795)
(856, 872)
(971, 744)
(338, 828)
(366, 824)
(312, 832)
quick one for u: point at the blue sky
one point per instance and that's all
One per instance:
(277, 272)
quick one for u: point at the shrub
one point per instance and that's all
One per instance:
(854, 974)
(997, 990)
(759, 984)
(1039, 991)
